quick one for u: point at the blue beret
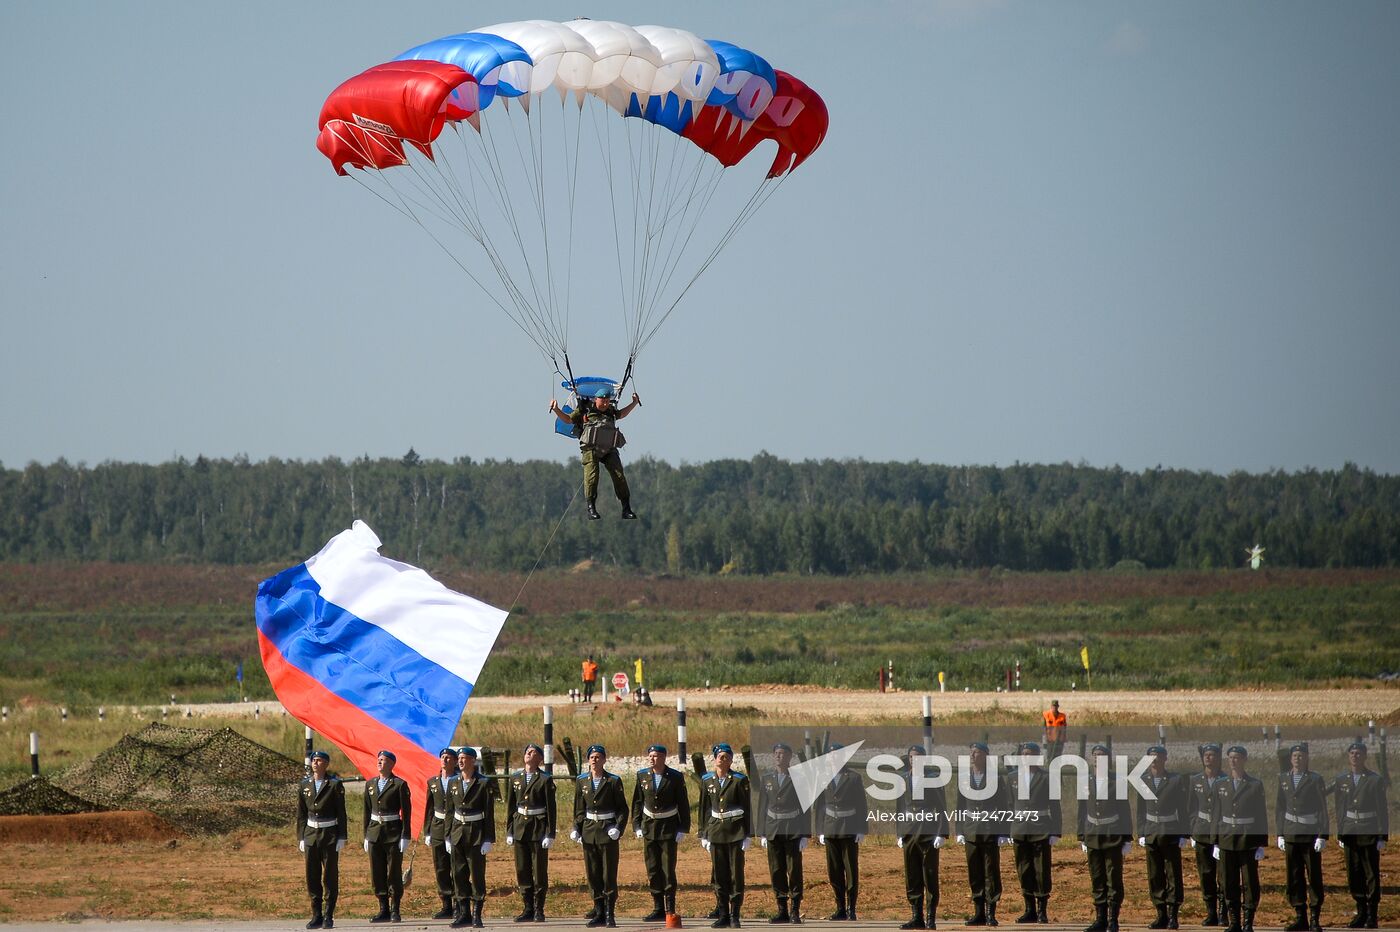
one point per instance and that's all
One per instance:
(322, 755)
(452, 751)
(1029, 746)
(1238, 749)
(657, 747)
(834, 746)
(467, 751)
(714, 751)
(1157, 749)
(1300, 746)
(389, 754)
(596, 747)
(535, 747)
(980, 746)
(1211, 746)
(1357, 745)
(1097, 748)
(782, 746)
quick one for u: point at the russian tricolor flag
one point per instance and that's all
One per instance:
(373, 653)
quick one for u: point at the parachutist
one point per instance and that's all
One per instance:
(598, 443)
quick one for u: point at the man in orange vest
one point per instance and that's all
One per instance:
(590, 678)
(1055, 727)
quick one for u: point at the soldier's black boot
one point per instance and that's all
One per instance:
(1174, 916)
(612, 912)
(539, 907)
(1224, 912)
(330, 914)
(627, 513)
(658, 909)
(840, 914)
(598, 915)
(527, 914)
(931, 916)
(782, 912)
(719, 909)
(1248, 924)
(734, 907)
(797, 910)
(979, 913)
(461, 914)
(593, 510)
(723, 921)
(1373, 917)
(1161, 921)
(477, 907)
(394, 910)
(447, 912)
(1300, 920)
(992, 913)
(1100, 923)
(851, 907)
(317, 918)
(1314, 919)
(383, 914)
(670, 904)
(1030, 914)
(1113, 916)
(916, 921)
(1363, 913)
(1042, 910)
(1234, 922)
(1212, 917)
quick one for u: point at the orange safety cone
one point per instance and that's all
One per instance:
(673, 920)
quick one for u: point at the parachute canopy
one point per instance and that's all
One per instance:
(535, 151)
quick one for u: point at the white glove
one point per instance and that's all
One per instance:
(1258, 854)
(762, 842)
(639, 833)
(1319, 844)
(510, 841)
(705, 843)
(1280, 842)
(821, 839)
(1142, 841)
(339, 845)
(1215, 852)
(1341, 844)
(1083, 847)
(1182, 842)
(962, 839)
(938, 841)
(302, 845)
(614, 832)
(366, 846)
(1127, 847)
(802, 844)
(447, 845)
(1054, 840)
(403, 844)
(860, 838)
(899, 842)
(1003, 839)
(486, 847)
(1380, 845)
(744, 845)
(1193, 842)
(546, 841)
(679, 837)
(575, 836)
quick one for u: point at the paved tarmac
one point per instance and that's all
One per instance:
(555, 925)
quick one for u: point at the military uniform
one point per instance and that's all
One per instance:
(321, 831)
(387, 811)
(924, 829)
(1161, 827)
(599, 441)
(786, 828)
(1241, 831)
(981, 830)
(1038, 819)
(1363, 821)
(471, 824)
(841, 818)
(1105, 827)
(726, 822)
(1300, 814)
(532, 812)
(434, 833)
(1200, 798)
(597, 808)
(660, 812)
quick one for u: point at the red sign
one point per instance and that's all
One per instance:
(619, 681)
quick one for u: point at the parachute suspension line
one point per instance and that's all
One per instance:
(573, 206)
(543, 550)
(651, 230)
(605, 152)
(755, 201)
(537, 156)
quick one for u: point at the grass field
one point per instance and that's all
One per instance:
(86, 635)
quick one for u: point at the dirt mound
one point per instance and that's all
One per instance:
(105, 828)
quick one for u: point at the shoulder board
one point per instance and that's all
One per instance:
(645, 769)
(737, 773)
(707, 775)
(584, 776)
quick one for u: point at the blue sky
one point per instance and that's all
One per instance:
(1119, 233)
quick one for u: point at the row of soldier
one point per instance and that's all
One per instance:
(1220, 813)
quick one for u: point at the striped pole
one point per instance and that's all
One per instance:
(33, 755)
(1162, 735)
(63, 713)
(680, 729)
(549, 739)
(308, 749)
(101, 714)
(928, 725)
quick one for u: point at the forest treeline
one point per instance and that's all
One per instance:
(764, 515)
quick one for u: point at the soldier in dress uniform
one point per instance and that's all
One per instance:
(923, 832)
(434, 832)
(784, 830)
(387, 811)
(1161, 830)
(1363, 828)
(841, 820)
(532, 812)
(1300, 813)
(726, 826)
(661, 818)
(471, 833)
(1105, 835)
(983, 834)
(1200, 799)
(1242, 834)
(1035, 830)
(321, 834)
(600, 815)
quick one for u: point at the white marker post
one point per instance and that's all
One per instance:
(33, 755)
(680, 729)
(928, 725)
(548, 739)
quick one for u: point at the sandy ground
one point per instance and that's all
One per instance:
(1381, 703)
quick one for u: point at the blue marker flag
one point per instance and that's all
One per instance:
(239, 675)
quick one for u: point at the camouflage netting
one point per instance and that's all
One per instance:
(40, 797)
(199, 779)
